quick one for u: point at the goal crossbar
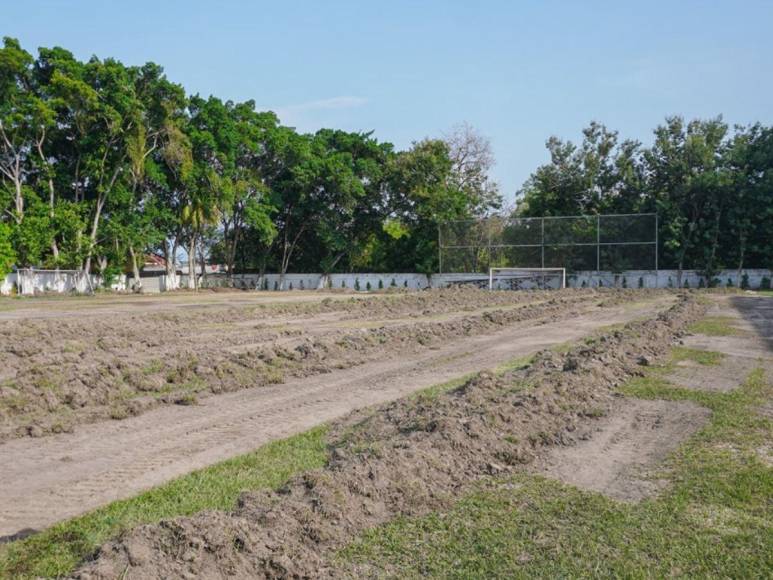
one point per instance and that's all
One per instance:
(526, 273)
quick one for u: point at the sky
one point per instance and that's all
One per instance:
(517, 71)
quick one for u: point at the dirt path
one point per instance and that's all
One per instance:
(637, 435)
(46, 480)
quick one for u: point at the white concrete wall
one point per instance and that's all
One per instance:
(62, 282)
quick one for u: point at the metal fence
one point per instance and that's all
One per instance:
(610, 242)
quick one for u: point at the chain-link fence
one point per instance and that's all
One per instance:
(612, 242)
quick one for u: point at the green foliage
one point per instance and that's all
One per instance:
(745, 281)
(7, 254)
(765, 283)
(712, 189)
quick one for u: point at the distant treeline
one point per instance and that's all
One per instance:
(101, 163)
(711, 187)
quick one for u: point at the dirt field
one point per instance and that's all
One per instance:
(311, 361)
(403, 459)
(574, 412)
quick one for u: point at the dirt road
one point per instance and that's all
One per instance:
(46, 480)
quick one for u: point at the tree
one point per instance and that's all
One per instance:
(472, 159)
(685, 178)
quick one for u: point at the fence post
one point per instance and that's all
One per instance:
(598, 244)
(439, 252)
(656, 248)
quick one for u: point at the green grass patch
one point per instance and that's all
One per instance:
(703, 357)
(715, 326)
(431, 393)
(59, 549)
(517, 364)
(714, 520)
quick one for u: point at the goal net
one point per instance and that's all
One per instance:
(526, 278)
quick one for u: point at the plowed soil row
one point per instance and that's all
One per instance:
(405, 458)
(57, 373)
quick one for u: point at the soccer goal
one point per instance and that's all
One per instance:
(526, 278)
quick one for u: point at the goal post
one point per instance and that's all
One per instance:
(519, 276)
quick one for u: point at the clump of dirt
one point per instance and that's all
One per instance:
(57, 374)
(404, 458)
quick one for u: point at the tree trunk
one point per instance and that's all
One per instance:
(741, 256)
(192, 282)
(93, 235)
(136, 282)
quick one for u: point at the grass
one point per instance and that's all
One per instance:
(713, 521)
(703, 357)
(715, 326)
(58, 550)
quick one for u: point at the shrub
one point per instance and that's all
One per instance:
(625, 282)
(641, 282)
(343, 283)
(276, 284)
(686, 284)
(670, 282)
(745, 281)
(393, 284)
(367, 286)
(584, 284)
(765, 283)
(357, 284)
(405, 283)
(291, 286)
(701, 283)
(380, 284)
(729, 283)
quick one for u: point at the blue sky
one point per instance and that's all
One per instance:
(517, 71)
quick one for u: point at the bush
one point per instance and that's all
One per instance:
(276, 284)
(641, 282)
(729, 283)
(701, 283)
(367, 286)
(393, 284)
(343, 283)
(584, 284)
(686, 284)
(7, 254)
(357, 284)
(291, 286)
(765, 283)
(745, 281)
(380, 284)
(405, 283)
(625, 282)
(670, 282)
